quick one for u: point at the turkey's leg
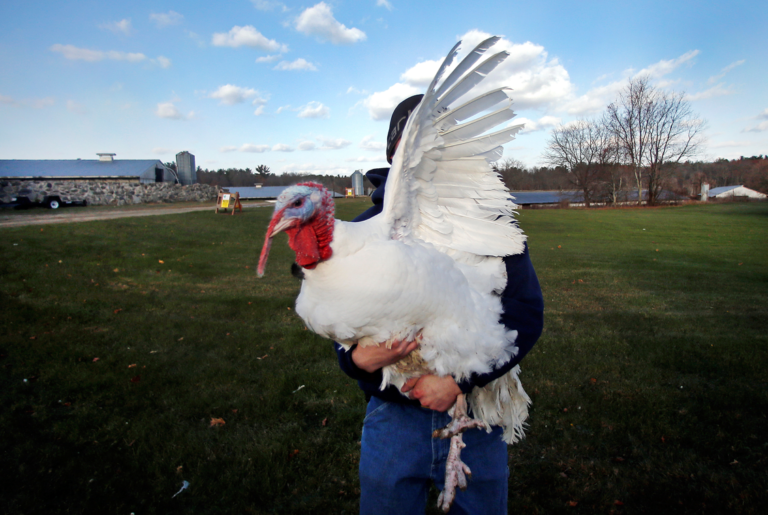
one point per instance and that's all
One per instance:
(456, 471)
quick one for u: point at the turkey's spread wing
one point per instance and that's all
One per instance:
(441, 187)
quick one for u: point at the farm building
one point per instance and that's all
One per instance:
(261, 192)
(735, 191)
(106, 168)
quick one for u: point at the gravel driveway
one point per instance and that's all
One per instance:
(62, 216)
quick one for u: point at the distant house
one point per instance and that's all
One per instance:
(735, 191)
(106, 168)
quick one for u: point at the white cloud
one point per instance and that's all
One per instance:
(258, 149)
(39, 103)
(318, 21)
(420, 74)
(228, 148)
(725, 70)
(314, 110)
(230, 94)
(307, 145)
(269, 58)
(259, 110)
(75, 107)
(762, 126)
(170, 111)
(247, 36)
(367, 143)
(384, 3)
(282, 108)
(665, 67)
(118, 27)
(164, 62)
(381, 104)
(83, 54)
(166, 19)
(36, 103)
(533, 126)
(538, 81)
(281, 147)
(298, 64)
(356, 91)
(333, 144)
(715, 91)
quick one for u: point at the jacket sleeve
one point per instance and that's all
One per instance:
(349, 367)
(522, 310)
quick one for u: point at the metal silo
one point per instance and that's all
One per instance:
(185, 168)
(357, 183)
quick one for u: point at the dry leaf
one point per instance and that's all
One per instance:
(118, 310)
(618, 503)
(217, 422)
(558, 246)
(324, 422)
(136, 379)
(116, 270)
(573, 504)
(264, 356)
(95, 360)
(180, 339)
(132, 366)
(161, 261)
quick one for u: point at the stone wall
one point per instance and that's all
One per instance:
(102, 193)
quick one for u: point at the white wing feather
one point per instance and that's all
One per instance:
(441, 187)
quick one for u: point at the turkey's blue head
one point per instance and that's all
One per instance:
(305, 212)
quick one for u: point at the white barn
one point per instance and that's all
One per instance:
(735, 191)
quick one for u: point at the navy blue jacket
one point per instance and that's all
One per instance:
(522, 304)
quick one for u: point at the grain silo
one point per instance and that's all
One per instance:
(185, 168)
(357, 183)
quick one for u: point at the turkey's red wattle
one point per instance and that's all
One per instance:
(311, 242)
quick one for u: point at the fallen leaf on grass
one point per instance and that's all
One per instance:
(136, 379)
(293, 453)
(184, 486)
(118, 310)
(180, 339)
(297, 389)
(161, 261)
(95, 360)
(132, 366)
(573, 504)
(324, 422)
(116, 270)
(734, 462)
(618, 503)
(33, 337)
(264, 356)
(593, 380)
(215, 422)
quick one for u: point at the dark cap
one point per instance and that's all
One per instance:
(397, 123)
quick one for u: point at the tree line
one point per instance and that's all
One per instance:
(642, 147)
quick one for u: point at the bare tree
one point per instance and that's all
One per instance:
(652, 127)
(583, 148)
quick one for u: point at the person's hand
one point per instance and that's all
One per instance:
(373, 358)
(433, 392)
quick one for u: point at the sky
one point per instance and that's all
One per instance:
(308, 87)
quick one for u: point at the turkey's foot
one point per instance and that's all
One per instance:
(456, 474)
(459, 423)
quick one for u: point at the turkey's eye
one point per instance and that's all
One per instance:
(298, 203)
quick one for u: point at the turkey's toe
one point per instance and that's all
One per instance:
(456, 474)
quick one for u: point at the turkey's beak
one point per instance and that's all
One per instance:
(276, 226)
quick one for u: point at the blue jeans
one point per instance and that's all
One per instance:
(399, 458)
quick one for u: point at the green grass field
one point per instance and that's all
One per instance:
(126, 344)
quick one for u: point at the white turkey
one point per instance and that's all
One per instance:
(437, 247)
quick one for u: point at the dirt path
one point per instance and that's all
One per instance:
(62, 216)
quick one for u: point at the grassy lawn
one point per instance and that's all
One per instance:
(140, 353)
